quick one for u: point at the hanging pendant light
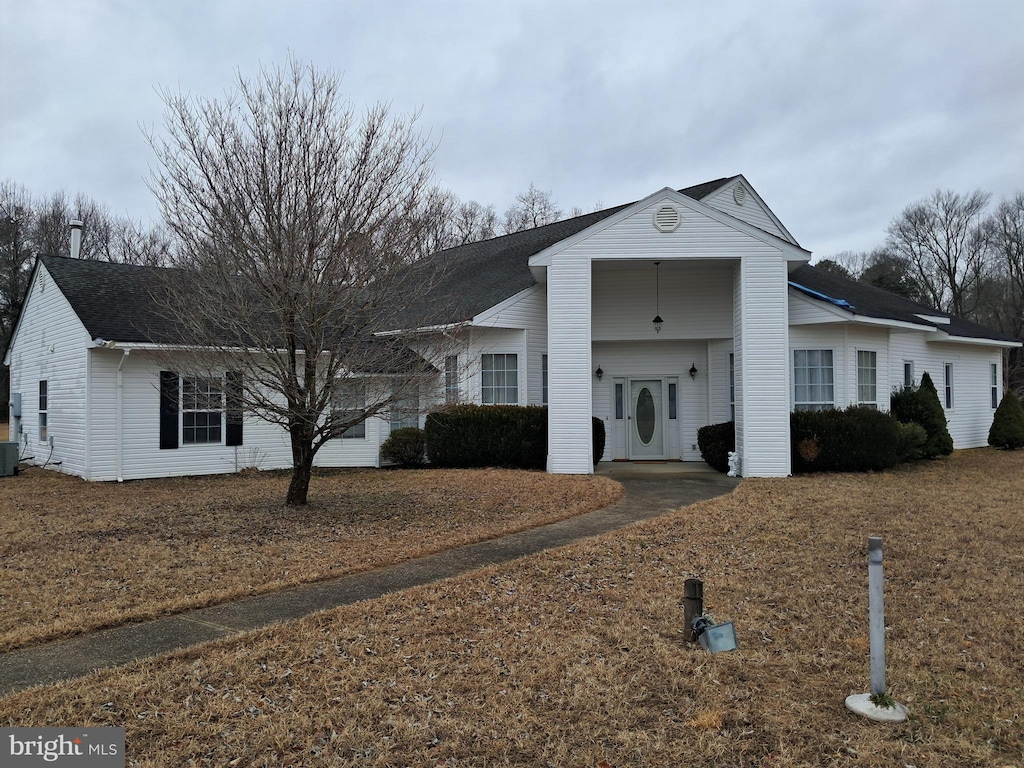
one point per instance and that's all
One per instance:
(657, 298)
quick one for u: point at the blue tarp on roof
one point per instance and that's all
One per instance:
(818, 295)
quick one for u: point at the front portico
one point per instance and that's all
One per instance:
(720, 287)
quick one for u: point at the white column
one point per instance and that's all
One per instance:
(763, 367)
(570, 435)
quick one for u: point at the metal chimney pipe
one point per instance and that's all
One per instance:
(76, 238)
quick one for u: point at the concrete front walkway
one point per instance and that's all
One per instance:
(647, 495)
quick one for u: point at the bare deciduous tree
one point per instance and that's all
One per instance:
(942, 239)
(533, 208)
(298, 222)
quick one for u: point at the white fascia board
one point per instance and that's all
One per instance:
(943, 336)
(792, 252)
(486, 317)
(443, 328)
(771, 213)
(938, 319)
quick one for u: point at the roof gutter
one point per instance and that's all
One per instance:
(444, 328)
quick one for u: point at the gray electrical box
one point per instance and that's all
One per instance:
(8, 459)
(16, 405)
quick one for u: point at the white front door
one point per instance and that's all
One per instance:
(646, 417)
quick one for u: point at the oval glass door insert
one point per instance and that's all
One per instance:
(645, 416)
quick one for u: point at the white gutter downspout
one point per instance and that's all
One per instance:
(120, 400)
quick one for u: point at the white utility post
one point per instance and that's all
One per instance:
(874, 705)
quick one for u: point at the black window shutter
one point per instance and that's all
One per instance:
(233, 434)
(168, 409)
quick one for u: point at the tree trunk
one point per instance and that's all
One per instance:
(302, 467)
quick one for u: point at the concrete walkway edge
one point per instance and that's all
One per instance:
(646, 496)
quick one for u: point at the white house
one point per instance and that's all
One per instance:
(561, 315)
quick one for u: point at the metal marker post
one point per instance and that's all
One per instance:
(874, 705)
(877, 613)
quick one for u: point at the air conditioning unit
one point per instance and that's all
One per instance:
(8, 459)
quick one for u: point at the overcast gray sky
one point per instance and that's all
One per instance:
(839, 113)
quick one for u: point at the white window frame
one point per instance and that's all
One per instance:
(543, 379)
(405, 409)
(348, 396)
(995, 385)
(44, 410)
(451, 379)
(200, 401)
(867, 387)
(732, 386)
(825, 387)
(908, 367)
(495, 385)
(947, 388)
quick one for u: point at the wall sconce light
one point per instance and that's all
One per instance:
(693, 371)
(599, 373)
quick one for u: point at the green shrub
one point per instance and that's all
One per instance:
(857, 439)
(488, 436)
(598, 439)
(1007, 430)
(921, 405)
(715, 442)
(911, 442)
(404, 447)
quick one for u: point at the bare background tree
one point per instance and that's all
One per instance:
(942, 240)
(533, 208)
(298, 222)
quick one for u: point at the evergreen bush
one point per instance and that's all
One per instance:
(715, 442)
(921, 405)
(513, 436)
(912, 439)
(404, 447)
(1007, 430)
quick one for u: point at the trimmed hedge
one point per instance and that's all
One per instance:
(715, 442)
(513, 436)
(857, 439)
(1007, 430)
(921, 405)
(404, 447)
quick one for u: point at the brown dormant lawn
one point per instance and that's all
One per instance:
(76, 556)
(576, 658)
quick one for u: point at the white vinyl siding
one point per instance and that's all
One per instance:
(50, 345)
(752, 211)
(813, 379)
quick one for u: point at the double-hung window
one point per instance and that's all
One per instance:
(44, 407)
(813, 382)
(867, 377)
(995, 385)
(908, 373)
(732, 386)
(202, 411)
(451, 379)
(947, 376)
(405, 410)
(499, 379)
(348, 402)
(544, 379)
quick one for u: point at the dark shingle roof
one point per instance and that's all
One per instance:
(869, 301)
(482, 274)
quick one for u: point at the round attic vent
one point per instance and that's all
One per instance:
(739, 194)
(666, 219)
